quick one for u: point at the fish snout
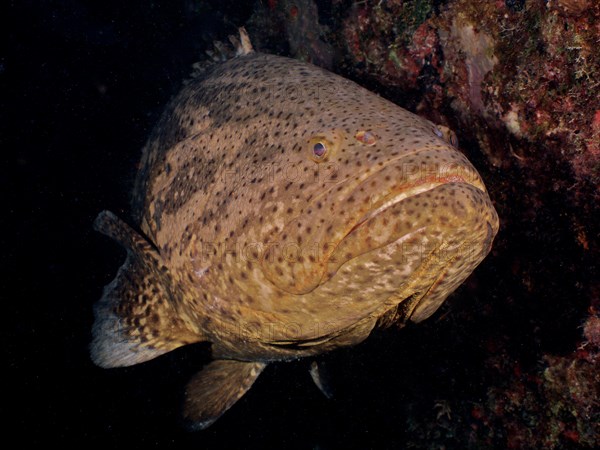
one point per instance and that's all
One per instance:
(453, 220)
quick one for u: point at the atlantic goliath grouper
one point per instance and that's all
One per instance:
(283, 212)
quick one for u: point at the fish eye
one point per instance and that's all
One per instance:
(322, 146)
(319, 150)
(446, 134)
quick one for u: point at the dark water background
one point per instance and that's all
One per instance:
(82, 84)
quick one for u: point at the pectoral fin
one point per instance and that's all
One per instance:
(138, 316)
(215, 389)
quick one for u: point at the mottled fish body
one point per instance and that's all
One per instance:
(284, 212)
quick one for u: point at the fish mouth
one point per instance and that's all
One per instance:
(412, 214)
(365, 214)
(412, 190)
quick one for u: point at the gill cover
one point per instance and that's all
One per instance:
(296, 258)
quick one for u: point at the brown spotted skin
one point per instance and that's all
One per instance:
(280, 254)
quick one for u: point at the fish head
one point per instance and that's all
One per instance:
(369, 186)
(336, 192)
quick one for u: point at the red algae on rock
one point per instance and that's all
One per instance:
(532, 71)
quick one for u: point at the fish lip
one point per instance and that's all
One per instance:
(411, 190)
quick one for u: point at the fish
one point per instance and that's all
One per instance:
(281, 211)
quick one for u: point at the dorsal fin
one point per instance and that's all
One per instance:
(243, 46)
(137, 318)
(222, 52)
